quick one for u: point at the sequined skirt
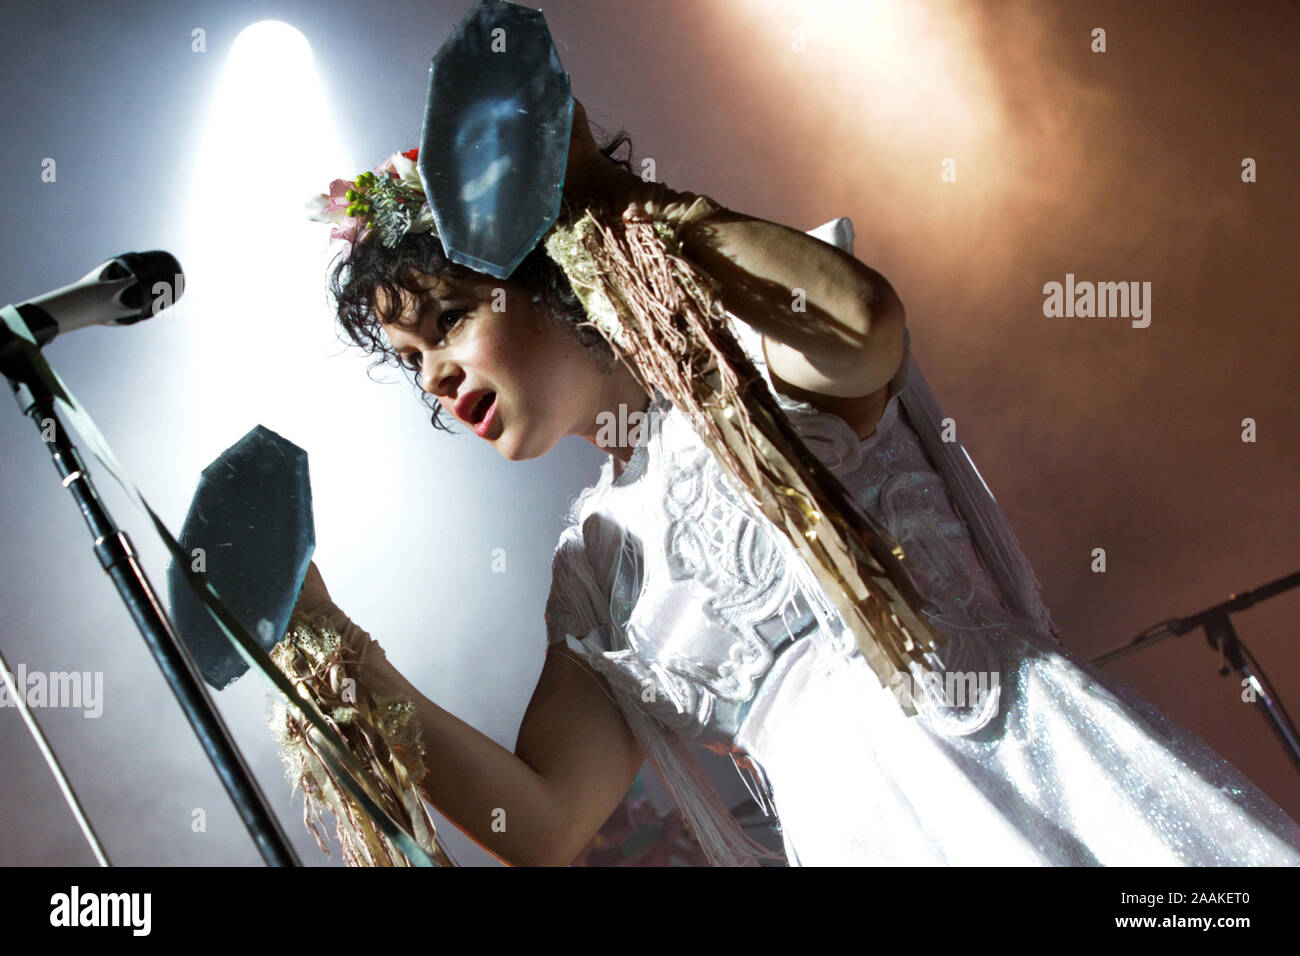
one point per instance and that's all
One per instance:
(1076, 769)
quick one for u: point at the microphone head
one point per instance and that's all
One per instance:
(159, 282)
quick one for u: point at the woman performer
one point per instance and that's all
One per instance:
(674, 615)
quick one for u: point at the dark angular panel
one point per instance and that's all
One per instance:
(495, 141)
(252, 516)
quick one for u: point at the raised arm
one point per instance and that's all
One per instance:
(574, 760)
(831, 325)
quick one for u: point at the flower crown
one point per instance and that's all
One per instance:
(389, 200)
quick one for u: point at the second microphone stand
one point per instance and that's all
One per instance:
(1222, 636)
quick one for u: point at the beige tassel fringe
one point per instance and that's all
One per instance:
(665, 319)
(383, 735)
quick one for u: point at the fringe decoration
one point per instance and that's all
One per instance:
(723, 840)
(383, 734)
(665, 319)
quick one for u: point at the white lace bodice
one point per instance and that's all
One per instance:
(706, 598)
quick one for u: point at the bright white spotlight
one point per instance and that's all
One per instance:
(256, 266)
(262, 346)
(269, 143)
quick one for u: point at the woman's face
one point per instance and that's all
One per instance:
(495, 359)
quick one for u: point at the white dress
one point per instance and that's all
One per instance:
(717, 631)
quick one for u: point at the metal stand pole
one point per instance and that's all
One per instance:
(119, 560)
(1222, 636)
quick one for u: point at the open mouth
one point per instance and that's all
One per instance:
(480, 410)
(484, 414)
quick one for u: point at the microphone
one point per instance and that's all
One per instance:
(122, 291)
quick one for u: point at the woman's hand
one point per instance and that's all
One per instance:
(587, 166)
(314, 598)
(593, 179)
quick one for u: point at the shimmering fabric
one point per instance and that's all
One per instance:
(1074, 770)
(726, 642)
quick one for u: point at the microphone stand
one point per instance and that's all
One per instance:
(1222, 636)
(119, 560)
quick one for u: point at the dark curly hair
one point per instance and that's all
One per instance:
(354, 285)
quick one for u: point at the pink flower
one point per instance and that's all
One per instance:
(338, 194)
(333, 208)
(351, 232)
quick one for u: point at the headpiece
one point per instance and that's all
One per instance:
(388, 200)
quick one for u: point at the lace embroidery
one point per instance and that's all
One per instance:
(695, 645)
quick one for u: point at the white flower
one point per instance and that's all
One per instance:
(406, 171)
